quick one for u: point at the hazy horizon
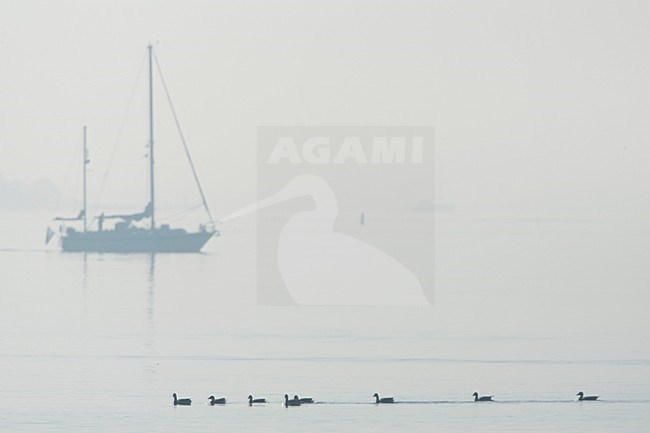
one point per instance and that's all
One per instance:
(539, 109)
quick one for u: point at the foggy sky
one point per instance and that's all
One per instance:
(540, 108)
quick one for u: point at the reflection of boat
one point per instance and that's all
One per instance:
(125, 236)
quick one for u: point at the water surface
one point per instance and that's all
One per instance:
(528, 311)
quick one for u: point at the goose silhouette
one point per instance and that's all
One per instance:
(383, 400)
(214, 401)
(304, 400)
(252, 401)
(320, 266)
(582, 397)
(288, 402)
(484, 398)
(181, 401)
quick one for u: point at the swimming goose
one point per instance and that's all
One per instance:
(383, 400)
(484, 398)
(214, 401)
(182, 401)
(288, 402)
(252, 400)
(589, 397)
(304, 400)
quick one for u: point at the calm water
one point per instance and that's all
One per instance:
(529, 311)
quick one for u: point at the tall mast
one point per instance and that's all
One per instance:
(86, 161)
(151, 183)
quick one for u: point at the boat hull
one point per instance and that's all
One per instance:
(136, 241)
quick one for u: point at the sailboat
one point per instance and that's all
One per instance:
(125, 236)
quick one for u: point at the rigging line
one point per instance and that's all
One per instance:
(184, 211)
(182, 214)
(180, 132)
(120, 132)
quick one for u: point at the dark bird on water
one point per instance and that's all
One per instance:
(288, 402)
(181, 401)
(214, 401)
(252, 400)
(588, 398)
(304, 400)
(484, 398)
(383, 400)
